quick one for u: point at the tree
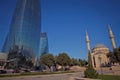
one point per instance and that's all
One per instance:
(47, 60)
(63, 59)
(111, 57)
(74, 62)
(82, 62)
(78, 62)
(117, 54)
(89, 61)
(114, 56)
(90, 72)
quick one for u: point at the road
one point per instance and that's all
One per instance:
(67, 76)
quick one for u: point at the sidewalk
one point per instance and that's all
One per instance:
(77, 78)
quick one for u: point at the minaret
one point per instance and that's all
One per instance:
(89, 53)
(88, 42)
(112, 37)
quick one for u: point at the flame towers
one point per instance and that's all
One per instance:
(25, 28)
(43, 44)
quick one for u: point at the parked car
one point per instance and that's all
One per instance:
(16, 71)
(2, 72)
(26, 70)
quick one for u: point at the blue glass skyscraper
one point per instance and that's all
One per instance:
(43, 44)
(25, 28)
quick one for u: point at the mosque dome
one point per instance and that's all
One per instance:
(100, 46)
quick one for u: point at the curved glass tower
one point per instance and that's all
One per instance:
(43, 44)
(25, 28)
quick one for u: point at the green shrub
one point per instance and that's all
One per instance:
(91, 73)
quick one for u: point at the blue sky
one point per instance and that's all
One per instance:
(66, 22)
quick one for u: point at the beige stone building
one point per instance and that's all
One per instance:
(99, 55)
(3, 59)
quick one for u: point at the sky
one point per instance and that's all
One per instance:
(66, 23)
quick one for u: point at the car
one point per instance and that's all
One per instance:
(16, 71)
(2, 72)
(26, 70)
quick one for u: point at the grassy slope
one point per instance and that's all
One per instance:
(110, 77)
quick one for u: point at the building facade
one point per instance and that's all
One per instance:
(43, 44)
(3, 59)
(99, 55)
(25, 28)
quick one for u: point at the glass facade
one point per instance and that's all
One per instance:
(25, 28)
(43, 44)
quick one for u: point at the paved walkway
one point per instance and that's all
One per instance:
(68, 76)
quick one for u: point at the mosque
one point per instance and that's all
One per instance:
(99, 52)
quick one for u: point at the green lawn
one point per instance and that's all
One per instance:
(110, 77)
